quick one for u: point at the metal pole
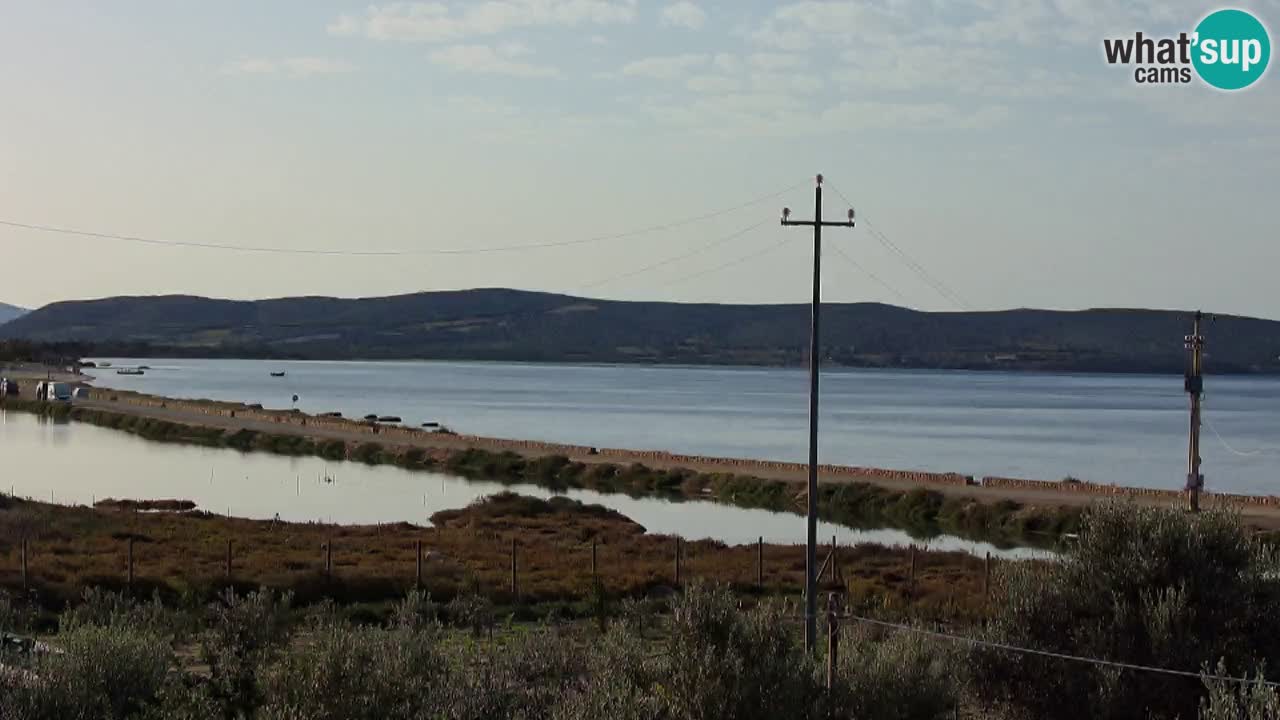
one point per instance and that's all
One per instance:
(811, 513)
(815, 360)
(228, 560)
(130, 551)
(1194, 386)
(25, 585)
(595, 577)
(417, 572)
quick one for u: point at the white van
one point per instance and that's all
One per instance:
(59, 392)
(53, 392)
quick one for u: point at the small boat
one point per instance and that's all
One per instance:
(389, 418)
(277, 373)
(131, 371)
(144, 367)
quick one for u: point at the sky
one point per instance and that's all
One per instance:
(987, 140)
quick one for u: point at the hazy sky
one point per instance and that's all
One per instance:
(986, 138)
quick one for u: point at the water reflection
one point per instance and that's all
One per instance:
(81, 463)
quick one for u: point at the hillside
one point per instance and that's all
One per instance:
(9, 312)
(497, 324)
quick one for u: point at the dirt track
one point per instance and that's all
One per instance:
(1262, 516)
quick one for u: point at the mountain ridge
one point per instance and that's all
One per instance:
(505, 324)
(11, 312)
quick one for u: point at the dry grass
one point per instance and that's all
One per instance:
(182, 556)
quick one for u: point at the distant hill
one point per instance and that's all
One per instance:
(497, 324)
(9, 312)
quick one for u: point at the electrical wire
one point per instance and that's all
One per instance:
(676, 258)
(396, 253)
(876, 278)
(727, 265)
(940, 287)
(1225, 444)
(1058, 656)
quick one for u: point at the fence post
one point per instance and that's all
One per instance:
(911, 587)
(417, 567)
(328, 559)
(835, 572)
(986, 579)
(515, 588)
(833, 641)
(25, 585)
(595, 577)
(130, 554)
(228, 568)
(760, 562)
(677, 561)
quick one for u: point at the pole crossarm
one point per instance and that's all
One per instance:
(811, 514)
(811, 223)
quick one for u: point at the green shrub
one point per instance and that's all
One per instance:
(345, 673)
(99, 673)
(900, 676)
(722, 663)
(1147, 586)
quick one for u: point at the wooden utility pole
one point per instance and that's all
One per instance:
(1195, 387)
(811, 516)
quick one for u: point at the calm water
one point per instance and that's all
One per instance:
(1122, 429)
(77, 464)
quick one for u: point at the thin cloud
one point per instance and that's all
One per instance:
(458, 21)
(664, 67)
(684, 14)
(295, 66)
(486, 60)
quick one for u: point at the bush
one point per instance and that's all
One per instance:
(721, 663)
(1240, 701)
(901, 676)
(99, 673)
(1156, 587)
(348, 673)
(244, 634)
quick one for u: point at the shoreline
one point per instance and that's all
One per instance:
(782, 482)
(985, 489)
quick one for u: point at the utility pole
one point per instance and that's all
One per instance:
(1195, 387)
(811, 539)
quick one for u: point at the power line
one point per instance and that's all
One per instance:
(1058, 656)
(676, 258)
(940, 287)
(395, 253)
(1227, 445)
(727, 265)
(860, 268)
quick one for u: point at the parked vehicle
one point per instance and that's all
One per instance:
(8, 387)
(59, 392)
(81, 392)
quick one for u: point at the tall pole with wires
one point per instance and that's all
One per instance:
(811, 516)
(1195, 388)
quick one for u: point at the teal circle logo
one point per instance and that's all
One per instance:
(1232, 49)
